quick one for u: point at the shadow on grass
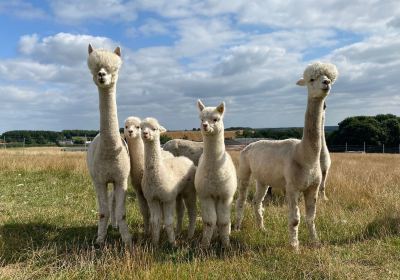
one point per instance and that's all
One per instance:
(19, 241)
(379, 228)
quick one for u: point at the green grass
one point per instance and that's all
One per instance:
(48, 225)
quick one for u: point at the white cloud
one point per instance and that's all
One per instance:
(21, 9)
(75, 11)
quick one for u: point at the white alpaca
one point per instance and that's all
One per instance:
(132, 134)
(187, 148)
(291, 164)
(325, 162)
(166, 181)
(325, 159)
(215, 179)
(107, 156)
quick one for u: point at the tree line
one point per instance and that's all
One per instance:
(372, 130)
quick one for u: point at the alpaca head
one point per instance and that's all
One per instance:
(151, 130)
(132, 128)
(319, 77)
(104, 66)
(211, 118)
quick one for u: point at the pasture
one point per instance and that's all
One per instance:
(48, 223)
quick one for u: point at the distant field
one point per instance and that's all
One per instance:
(194, 135)
(48, 225)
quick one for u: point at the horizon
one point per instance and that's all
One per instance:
(249, 55)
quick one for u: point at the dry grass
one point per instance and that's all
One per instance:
(48, 224)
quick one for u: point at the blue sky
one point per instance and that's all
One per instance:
(248, 53)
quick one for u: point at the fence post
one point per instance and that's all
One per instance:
(383, 148)
(346, 148)
(364, 147)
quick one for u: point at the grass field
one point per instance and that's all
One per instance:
(48, 225)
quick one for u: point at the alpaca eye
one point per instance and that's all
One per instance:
(215, 120)
(126, 127)
(312, 80)
(138, 127)
(154, 129)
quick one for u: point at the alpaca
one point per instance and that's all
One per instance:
(187, 148)
(166, 181)
(325, 159)
(215, 179)
(132, 134)
(325, 162)
(291, 164)
(107, 156)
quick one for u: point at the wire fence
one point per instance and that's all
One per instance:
(40, 142)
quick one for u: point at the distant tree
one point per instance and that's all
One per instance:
(164, 138)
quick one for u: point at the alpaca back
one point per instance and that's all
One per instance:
(181, 171)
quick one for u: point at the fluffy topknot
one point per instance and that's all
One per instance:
(103, 58)
(316, 69)
(151, 121)
(132, 121)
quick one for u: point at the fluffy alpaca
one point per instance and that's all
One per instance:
(291, 164)
(325, 162)
(187, 148)
(215, 179)
(132, 134)
(166, 181)
(107, 157)
(325, 159)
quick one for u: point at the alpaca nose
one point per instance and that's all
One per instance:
(145, 133)
(101, 74)
(130, 131)
(205, 125)
(326, 82)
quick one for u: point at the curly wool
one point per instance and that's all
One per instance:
(100, 58)
(316, 69)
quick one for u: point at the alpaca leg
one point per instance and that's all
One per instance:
(144, 210)
(209, 216)
(168, 210)
(155, 221)
(120, 197)
(111, 204)
(190, 202)
(322, 186)
(310, 198)
(104, 214)
(261, 190)
(224, 220)
(294, 217)
(241, 200)
(180, 211)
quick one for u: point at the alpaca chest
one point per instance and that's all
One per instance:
(218, 182)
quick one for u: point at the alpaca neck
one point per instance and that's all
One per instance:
(323, 141)
(136, 151)
(109, 128)
(152, 152)
(312, 133)
(214, 146)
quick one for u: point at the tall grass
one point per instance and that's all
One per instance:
(48, 221)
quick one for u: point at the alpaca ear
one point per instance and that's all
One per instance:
(301, 82)
(200, 105)
(221, 108)
(90, 49)
(162, 129)
(117, 51)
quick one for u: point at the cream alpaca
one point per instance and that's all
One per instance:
(325, 160)
(291, 164)
(107, 156)
(187, 148)
(215, 179)
(165, 181)
(132, 134)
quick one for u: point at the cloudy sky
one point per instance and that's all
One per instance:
(248, 53)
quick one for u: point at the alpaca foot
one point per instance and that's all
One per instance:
(236, 227)
(226, 244)
(100, 240)
(205, 244)
(324, 198)
(295, 246)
